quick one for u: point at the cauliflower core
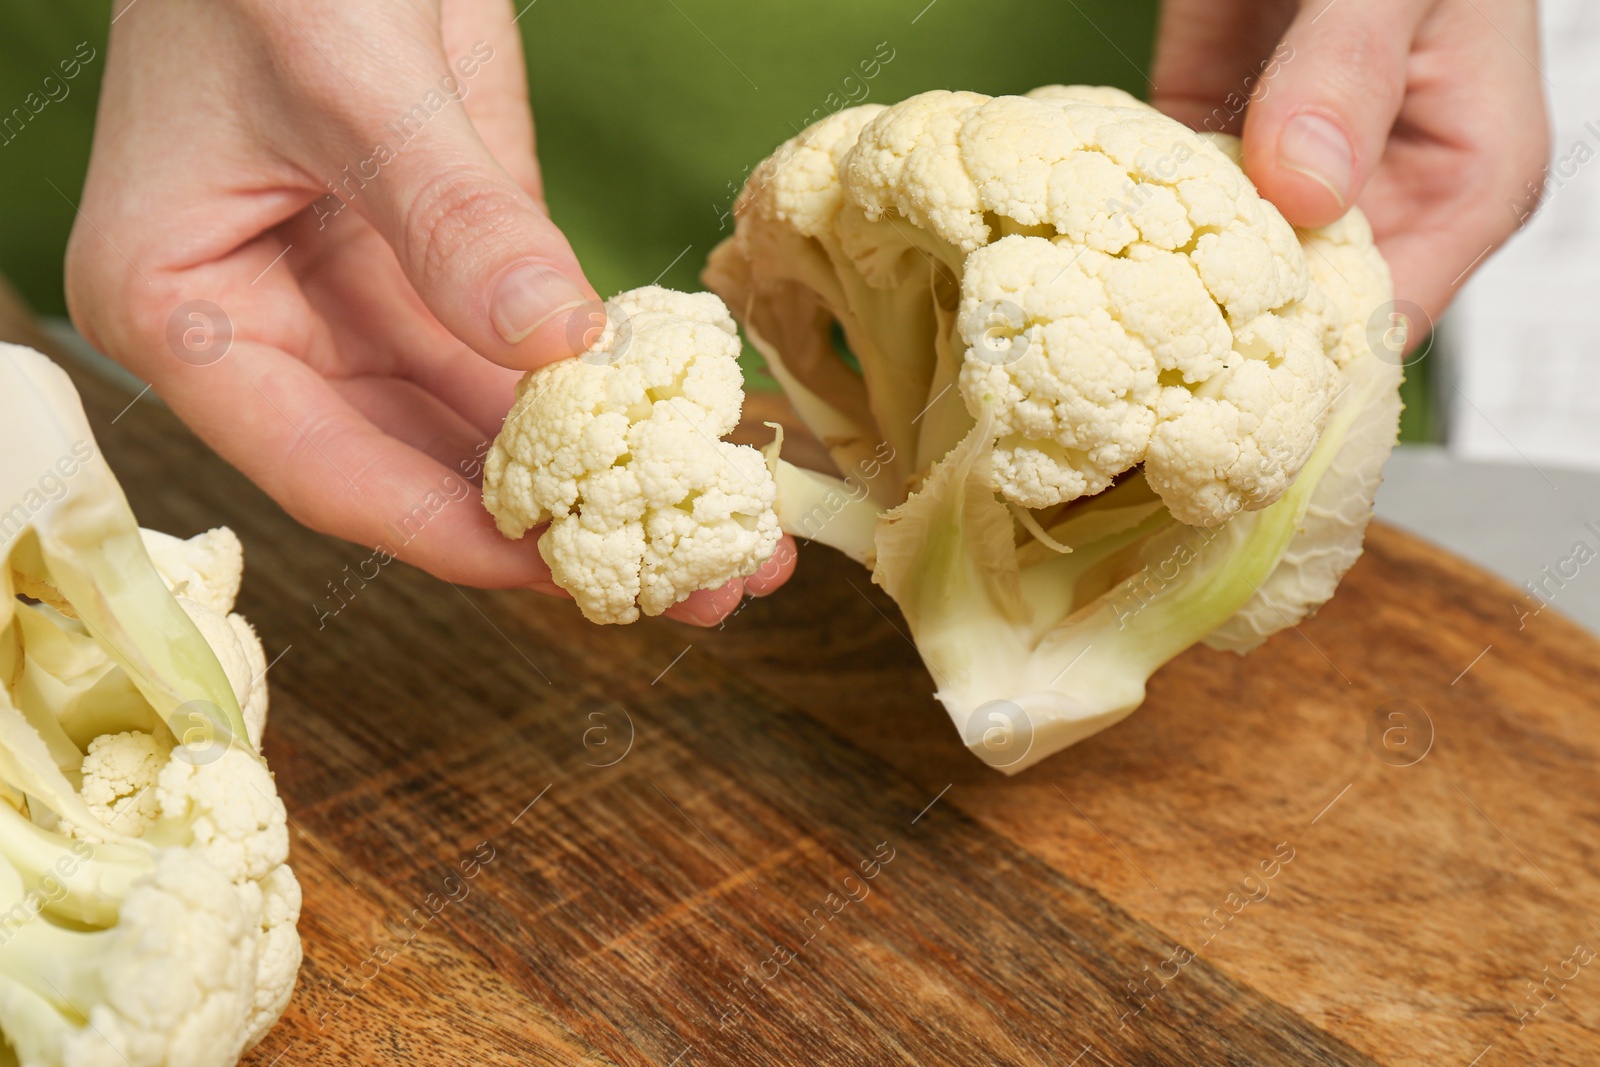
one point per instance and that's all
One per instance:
(620, 452)
(1100, 279)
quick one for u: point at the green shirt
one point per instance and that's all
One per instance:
(649, 112)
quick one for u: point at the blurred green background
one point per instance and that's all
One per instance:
(649, 112)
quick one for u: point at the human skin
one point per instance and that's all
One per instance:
(369, 364)
(1427, 114)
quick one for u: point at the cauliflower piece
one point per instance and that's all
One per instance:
(1159, 297)
(243, 660)
(1072, 332)
(171, 983)
(165, 933)
(119, 779)
(619, 451)
(207, 568)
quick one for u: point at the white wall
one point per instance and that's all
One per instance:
(1524, 335)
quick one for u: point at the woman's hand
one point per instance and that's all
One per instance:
(1427, 114)
(318, 231)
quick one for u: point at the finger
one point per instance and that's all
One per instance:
(707, 607)
(1210, 55)
(478, 250)
(1467, 157)
(1316, 132)
(484, 259)
(378, 322)
(497, 99)
(775, 571)
(290, 431)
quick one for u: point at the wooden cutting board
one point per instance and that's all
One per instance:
(667, 830)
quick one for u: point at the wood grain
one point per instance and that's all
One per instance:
(666, 807)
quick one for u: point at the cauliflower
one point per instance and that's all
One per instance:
(1107, 398)
(619, 451)
(206, 568)
(119, 776)
(239, 651)
(147, 912)
(165, 985)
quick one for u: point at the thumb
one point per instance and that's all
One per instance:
(1314, 134)
(480, 252)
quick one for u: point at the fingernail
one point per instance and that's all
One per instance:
(528, 296)
(1314, 146)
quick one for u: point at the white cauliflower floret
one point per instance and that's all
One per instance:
(119, 779)
(619, 451)
(802, 179)
(243, 660)
(204, 572)
(171, 983)
(207, 567)
(1167, 312)
(228, 805)
(906, 160)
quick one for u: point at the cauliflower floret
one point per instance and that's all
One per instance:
(243, 660)
(802, 179)
(206, 568)
(278, 952)
(619, 451)
(231, 808)
(1127, 297)
(119, 779)
(204, 572)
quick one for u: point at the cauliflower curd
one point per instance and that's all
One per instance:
(620, 452)
(1094, 398)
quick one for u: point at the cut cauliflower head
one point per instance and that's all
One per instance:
(149, 916)
(620, 452)
(1105, 284)
(1043, 338)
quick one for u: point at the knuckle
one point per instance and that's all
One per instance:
(456, 214)
(118, 311)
